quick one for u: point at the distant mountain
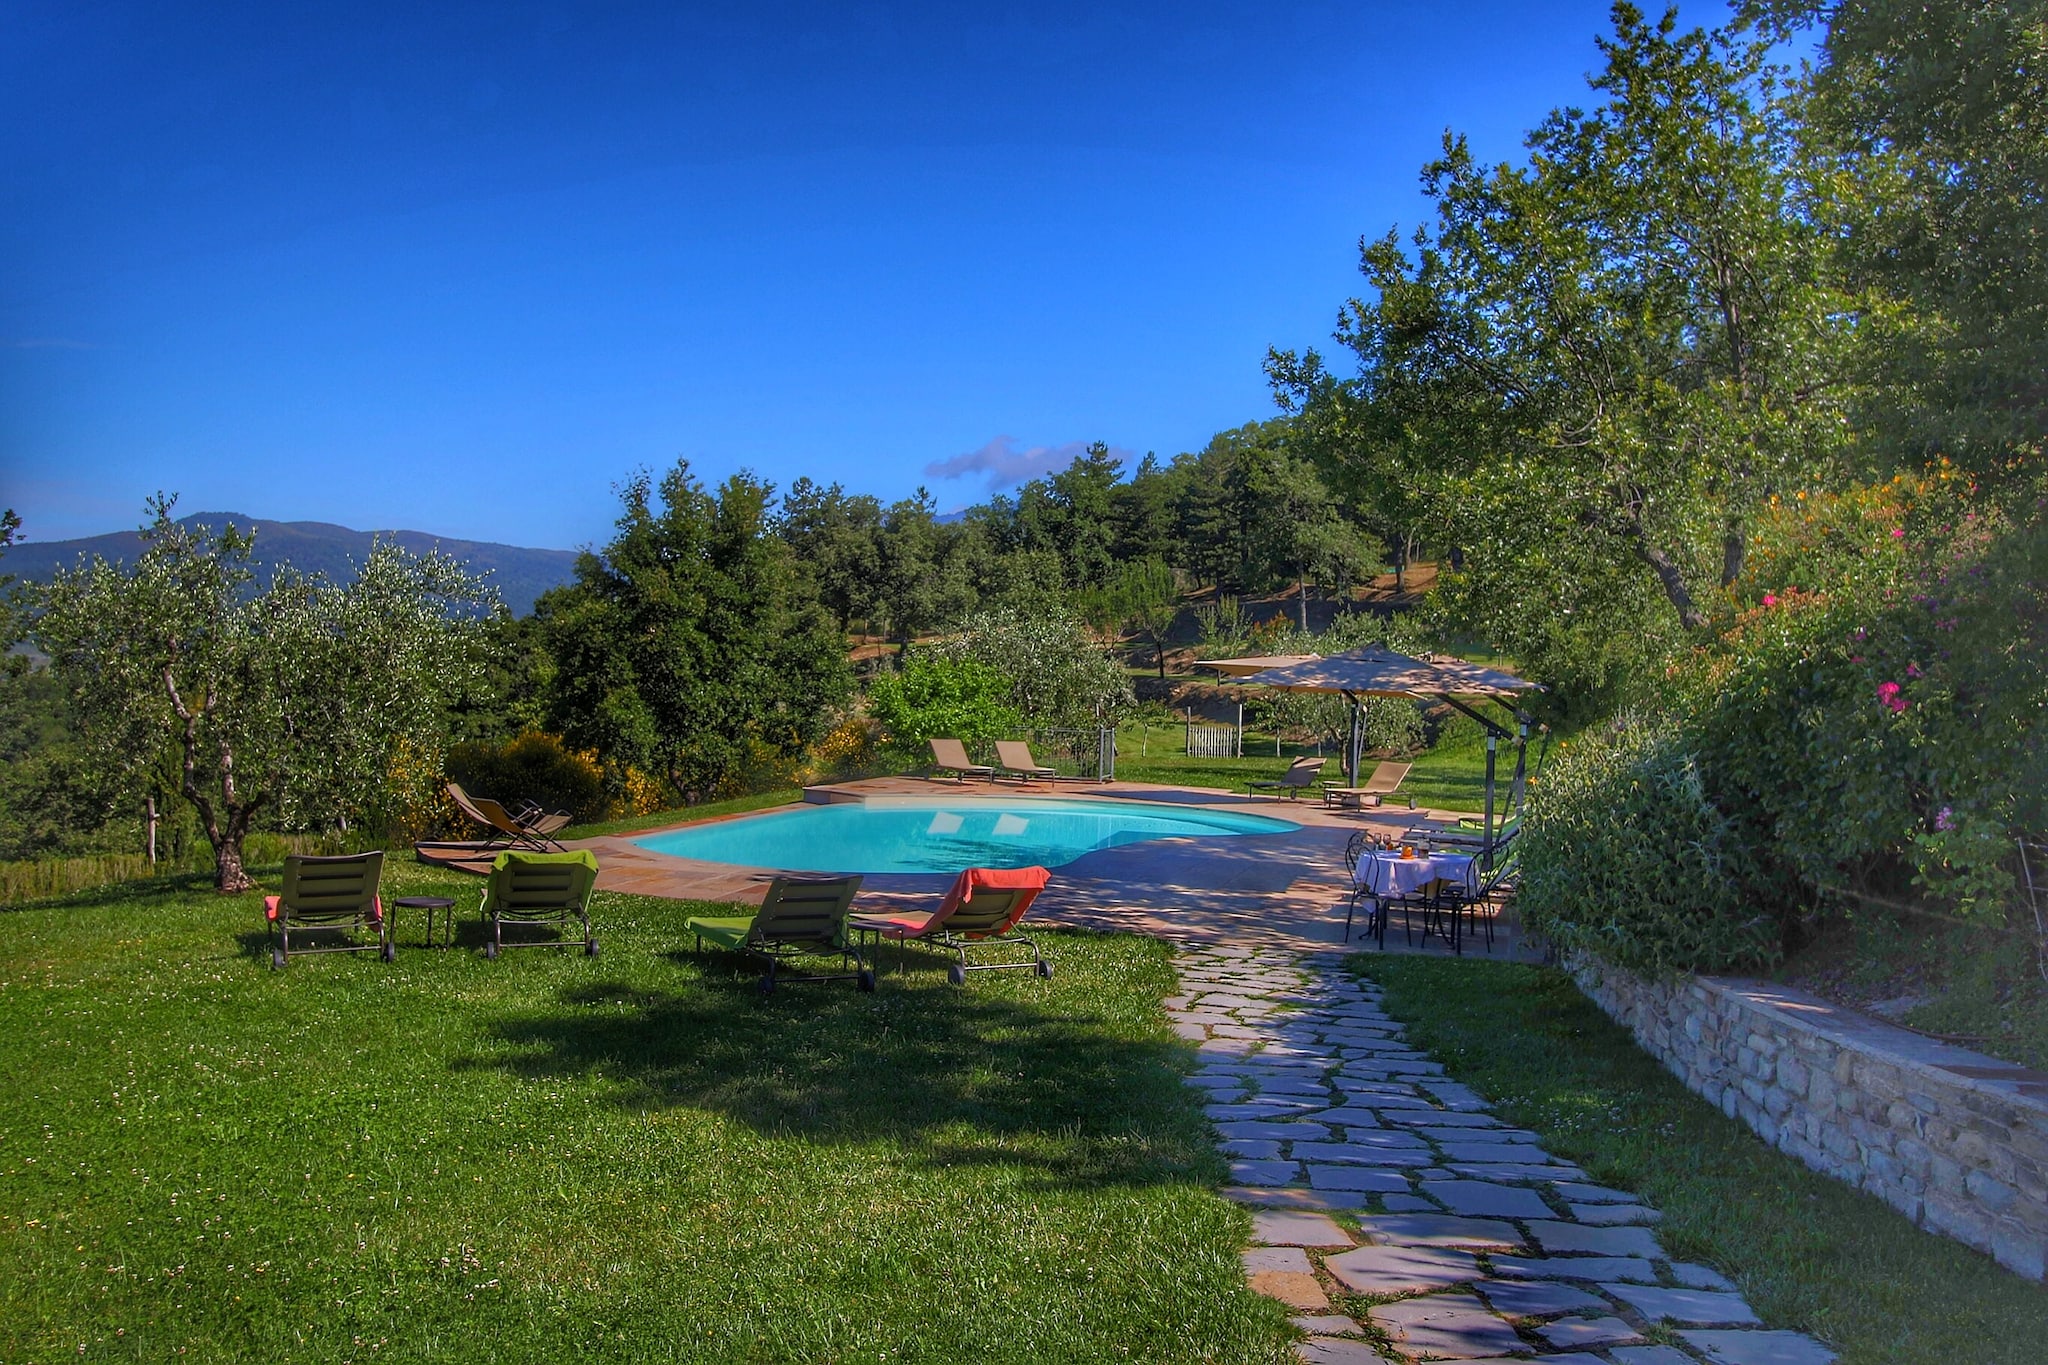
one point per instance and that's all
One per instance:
(520, 575)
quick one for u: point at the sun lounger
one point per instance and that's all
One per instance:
(335, 895)
(1300, 776)
(981, 910)
(799, 915)
(1015, 757)
(540, 891)
(950, 756)
(1386, 779)
(528, 827)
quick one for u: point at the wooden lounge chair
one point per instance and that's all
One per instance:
(540, 891)
(1300, 776)
(1015, 757)
(980, 910)
(1386, 779)
(330, 895)
(799, 915)
(528, 827)
(950, 756)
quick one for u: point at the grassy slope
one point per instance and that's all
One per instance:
(1807, 1251)
(552, 1157)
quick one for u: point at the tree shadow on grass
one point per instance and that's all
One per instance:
(960, 1077)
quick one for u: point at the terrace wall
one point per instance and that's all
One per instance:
(1956, 1141)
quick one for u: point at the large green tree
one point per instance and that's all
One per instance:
(1936, 120)
(292, 700)
(686, 647)
(1601, 362)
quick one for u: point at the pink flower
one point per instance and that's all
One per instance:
(1770, 599)
(1912, 670)
(1946, 819)
(1889, 698)
(1898, 533)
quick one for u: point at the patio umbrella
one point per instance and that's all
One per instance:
(1357, 674)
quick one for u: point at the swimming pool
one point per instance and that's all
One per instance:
(922, 834)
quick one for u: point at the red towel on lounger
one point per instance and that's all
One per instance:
(1030, 880)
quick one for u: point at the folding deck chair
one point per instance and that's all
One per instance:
(1300, 775)
(980, 910)
(330, 895)
(950, 756)
(540, 891)
(1015, 757)
(799, 915)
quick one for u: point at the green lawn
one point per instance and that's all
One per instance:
(551, 1157)
(1808, 1252)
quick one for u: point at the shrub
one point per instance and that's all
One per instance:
(941, 696)
(1625, 856)
(535, 767)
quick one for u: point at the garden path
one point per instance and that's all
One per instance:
(1374, 1177)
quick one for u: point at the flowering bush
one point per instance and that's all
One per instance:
(534, 767)
(1870, 716)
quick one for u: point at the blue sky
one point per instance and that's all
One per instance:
(460, 269)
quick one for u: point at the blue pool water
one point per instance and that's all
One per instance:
(941, 835)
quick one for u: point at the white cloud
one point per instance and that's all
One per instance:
(1004, 465)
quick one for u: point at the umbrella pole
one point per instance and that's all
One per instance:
(1486, 828)
(1352, 745)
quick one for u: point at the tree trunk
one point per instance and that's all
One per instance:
(228, 873)
(1304, 603)
(1661, 564)
(1733, 546)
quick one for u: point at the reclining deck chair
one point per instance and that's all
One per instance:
(1015, 757)
(539, 891)
(1300, 776)
(528, 827)
(798, 915)
(950, 756)
(981, 909)
(1386, 779)
(332, 895)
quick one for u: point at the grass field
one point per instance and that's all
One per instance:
(1451, 776)
(1808, 1252)
(551, 1157)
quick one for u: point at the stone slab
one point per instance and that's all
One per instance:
(1325, 1324)
(1408, 1203)
(1337, 1351)
(1759, 1348)
(1451, 1326)
(1282, 1130)
(1357, 1178)
(1613, 1215)
(1439, 1230)
(1538, 1298)
(1281, 1229)
(1575, 1268)
(1252, 1149)
(1594, 1194)
(1607, 1331)
(1508, 1152)
(1701, 1277)
(1507, 1170)
(1264, 1172)
(1555, 1237)
(1484, 1199)
(1652, 1355)
(1401, 1270)
(1296, 1289)
(1686, 1307)
(1568, 1358)
(1368, 1148)
(1290, 1259)
(1294, 1197)
(1442, 1119)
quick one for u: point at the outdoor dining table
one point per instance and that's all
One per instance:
(1385, 875)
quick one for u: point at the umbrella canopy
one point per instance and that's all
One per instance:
(1357, 674)
(1376, 672)
(1257, 663)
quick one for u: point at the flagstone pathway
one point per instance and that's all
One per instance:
(1372, 1175)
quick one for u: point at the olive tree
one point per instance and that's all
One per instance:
(293, 699)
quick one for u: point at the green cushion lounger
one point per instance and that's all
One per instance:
(332, 895)
(799, 915)
(540, 891)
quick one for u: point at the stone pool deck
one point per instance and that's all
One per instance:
(1284, 891)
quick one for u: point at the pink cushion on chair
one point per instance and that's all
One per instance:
(270, 907)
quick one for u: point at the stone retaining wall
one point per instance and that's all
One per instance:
(1956, 1141)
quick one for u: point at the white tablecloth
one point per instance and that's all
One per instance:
(1387, 874)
